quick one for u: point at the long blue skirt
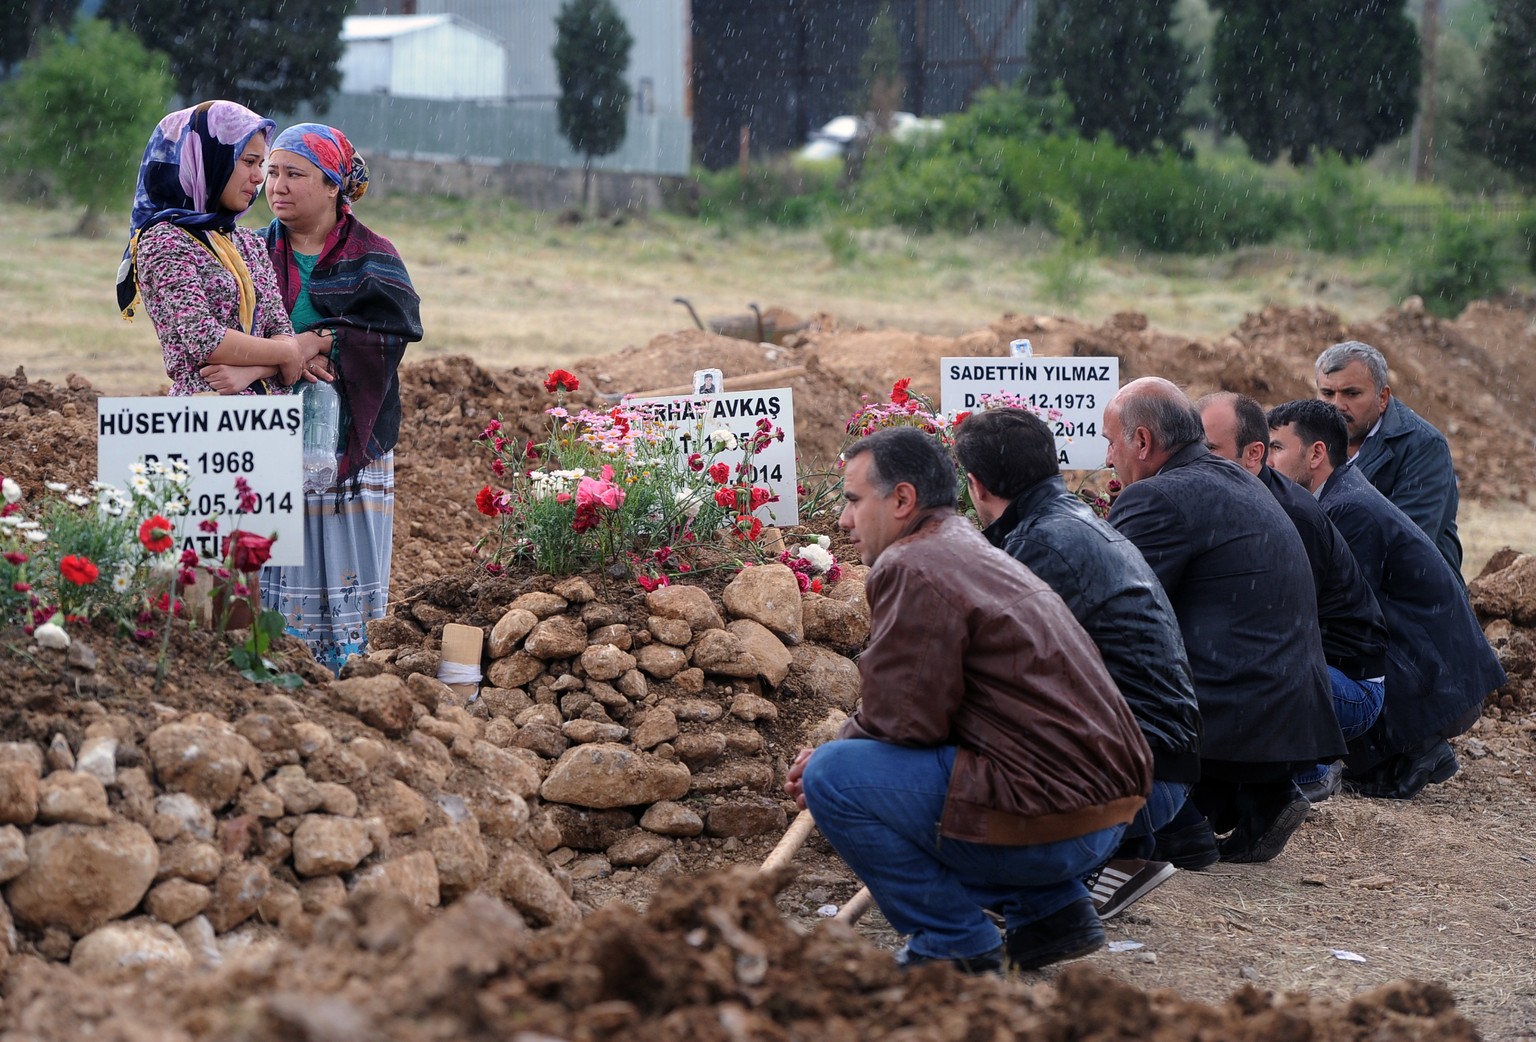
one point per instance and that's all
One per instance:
(344, 580)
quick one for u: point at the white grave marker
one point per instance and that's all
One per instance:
(1073, 391)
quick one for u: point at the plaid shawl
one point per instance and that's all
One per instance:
(361, 287)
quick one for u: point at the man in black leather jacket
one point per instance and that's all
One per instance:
(1009, 456)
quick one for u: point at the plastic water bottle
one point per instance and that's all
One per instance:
(322, 430)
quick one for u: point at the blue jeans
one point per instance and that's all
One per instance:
(1162, 806)
(1356, 705)
(879, 805)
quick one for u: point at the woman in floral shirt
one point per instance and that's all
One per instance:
(208, 285)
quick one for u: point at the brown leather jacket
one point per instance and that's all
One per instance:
(969, 648)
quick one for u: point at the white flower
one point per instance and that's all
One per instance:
(75, 499)
(688, 501)
(51, 635)
(55, 486)
(140, 486)
(121, 581)
(25, 525)
(9, 522)
(10, 490)
(137, 468)
(825, 542)
(179, 476)
(175, 506)
(36, 536)
(178, 463)
(720, 438)
(817, 557)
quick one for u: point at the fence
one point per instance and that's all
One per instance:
(528, 134)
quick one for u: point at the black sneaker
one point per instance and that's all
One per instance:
(1404, 776)
(1122, 882)
(1192, 847)
(1328, 785)
(1244, 849)
(976, 965)
(1066, 934)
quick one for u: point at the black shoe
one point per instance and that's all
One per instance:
(1066, 934)
(1404, 776)
(976, 965)
(1243, 847)
(1191, 848)
(1328, 785)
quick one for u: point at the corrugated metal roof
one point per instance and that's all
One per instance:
(389, 26)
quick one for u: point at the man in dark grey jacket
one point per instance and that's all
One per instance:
(1439, 665)
(1238, 578)
(1009, 456)
(1354, 633)
(1393, 447)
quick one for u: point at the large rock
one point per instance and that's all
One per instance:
(400, 807)
(527, 885)
(746, 816)
(383, 701)
(562, 636)
(19, 783)
(606, 661)
(722, 652)
(13, 853)
(768, 651)
(821, 675)
(509, 630)
(237, 894)
(662, 661)
(543, 605)
(603, 775)
(843, 624)
(639, 849)
(462, 860)
(671, 819)
(72, 797)
(587, 829)
(325, 845)
(177, 900)
(768, 594)
(658, 725)
(413, 876)
(689, 603)
(203, 756)
(514, 671)
(81, 876)
(124, 949)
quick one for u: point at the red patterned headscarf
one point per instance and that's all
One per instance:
(329, 149)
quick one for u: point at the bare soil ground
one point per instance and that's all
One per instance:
(1433, 896)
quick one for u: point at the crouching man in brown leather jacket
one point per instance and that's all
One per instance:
(992, 763)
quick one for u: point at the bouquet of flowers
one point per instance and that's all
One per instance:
(606, 487)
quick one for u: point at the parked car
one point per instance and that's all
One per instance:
(831, 141)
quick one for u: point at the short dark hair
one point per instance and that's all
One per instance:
(906, 454)
(1007, 450)
(1315, 420)
(1171, 418)
(1340, 355)
(1250, 417)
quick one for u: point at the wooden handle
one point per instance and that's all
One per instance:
(794, 837)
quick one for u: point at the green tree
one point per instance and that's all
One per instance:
(1500, 122)
(1298, 77)
(82, 110)
(591, 55)
(269, 55)
(1119, 64)
(878, 97)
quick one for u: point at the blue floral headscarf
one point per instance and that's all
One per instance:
(186, 165)
(329, 149)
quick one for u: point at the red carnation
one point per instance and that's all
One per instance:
(961, 417)
(760, 496)
(250, 551)
(79, 570)
(899, 395)
(485, 501)
(155, 534)
(719, 473)
(561, 380)
(696, 462)
(725, 497)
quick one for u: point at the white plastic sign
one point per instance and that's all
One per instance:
(256, 437)
(1070, 392)
(691, 421)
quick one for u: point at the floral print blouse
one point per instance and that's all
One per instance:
(192, 299)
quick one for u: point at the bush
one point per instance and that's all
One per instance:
(1339, 211)
(1460, 264)
(777, 192)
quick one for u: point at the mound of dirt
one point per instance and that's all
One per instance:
(333, 946)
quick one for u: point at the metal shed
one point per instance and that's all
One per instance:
(422, 56)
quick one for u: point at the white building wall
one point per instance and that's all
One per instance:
(448, 61)
(365, 67)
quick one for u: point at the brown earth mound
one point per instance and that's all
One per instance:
(364, 806)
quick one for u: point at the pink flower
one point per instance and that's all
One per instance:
(602, 493)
